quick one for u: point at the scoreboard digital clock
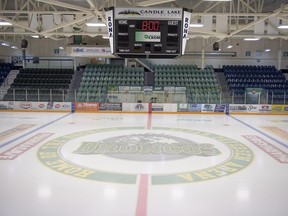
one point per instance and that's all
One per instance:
(153, 32)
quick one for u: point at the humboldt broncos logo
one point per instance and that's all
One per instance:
(150, 147)
(120, 154)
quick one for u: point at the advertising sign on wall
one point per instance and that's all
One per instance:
(164, 107)
(110, 106)
(208, 107)
(135, 107)
(280, 109)
(6, 105)
(189, 108)
(42, 106)
(86, 107)
(242, 108)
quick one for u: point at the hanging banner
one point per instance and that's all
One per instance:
(185, 29)
(110, 28)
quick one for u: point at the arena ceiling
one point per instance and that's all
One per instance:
(64, 18)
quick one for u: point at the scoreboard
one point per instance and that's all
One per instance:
(148, 32)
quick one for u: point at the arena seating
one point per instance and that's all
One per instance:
(241, 77)
(97, 78)
(201, 84)
(35, 84)
(4, 71)
(266, 77)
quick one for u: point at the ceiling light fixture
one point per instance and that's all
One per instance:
(218, 0)
(38, 36)
(4, 44)
(196, 25)
(2, 23)
(251, 39)
(229, 46)
(14, 47)
(267, 50)
(283, 26)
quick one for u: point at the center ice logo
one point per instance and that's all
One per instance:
(148, 147)
(121, 154)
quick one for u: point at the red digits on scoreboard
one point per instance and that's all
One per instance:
(150, 25)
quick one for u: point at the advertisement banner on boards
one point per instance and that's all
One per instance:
(265, 108)
(44, 106)
(242, 108)
(237, 108)
(279, 109)
(220, 108)
(189, 107)
(157, 107)
(86, 107)
(208, 107)
(6, 105)
(110, 106)
(135, 107)
(164, 107)
(252, 108)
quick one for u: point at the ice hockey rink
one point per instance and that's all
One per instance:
(92, 164)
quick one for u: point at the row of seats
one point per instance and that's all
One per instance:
(241, 77)
(96, 79)
(249, 68)
(194, 73)
(44, 71)
(253, 75)
(165, 67)
(113, 68)
(43, 84)
(5, 68)
(199, 83)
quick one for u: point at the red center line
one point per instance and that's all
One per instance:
(149, 123)
(142, 200)
(141, 209)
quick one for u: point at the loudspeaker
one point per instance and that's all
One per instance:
(24, 44)
(216, 46)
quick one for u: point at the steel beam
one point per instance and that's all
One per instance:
(65, 5)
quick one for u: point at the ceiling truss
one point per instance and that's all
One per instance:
(242, 16)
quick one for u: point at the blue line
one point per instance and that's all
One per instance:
(36, 129)
(264, 134)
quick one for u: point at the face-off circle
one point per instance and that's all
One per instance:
(168, 155)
